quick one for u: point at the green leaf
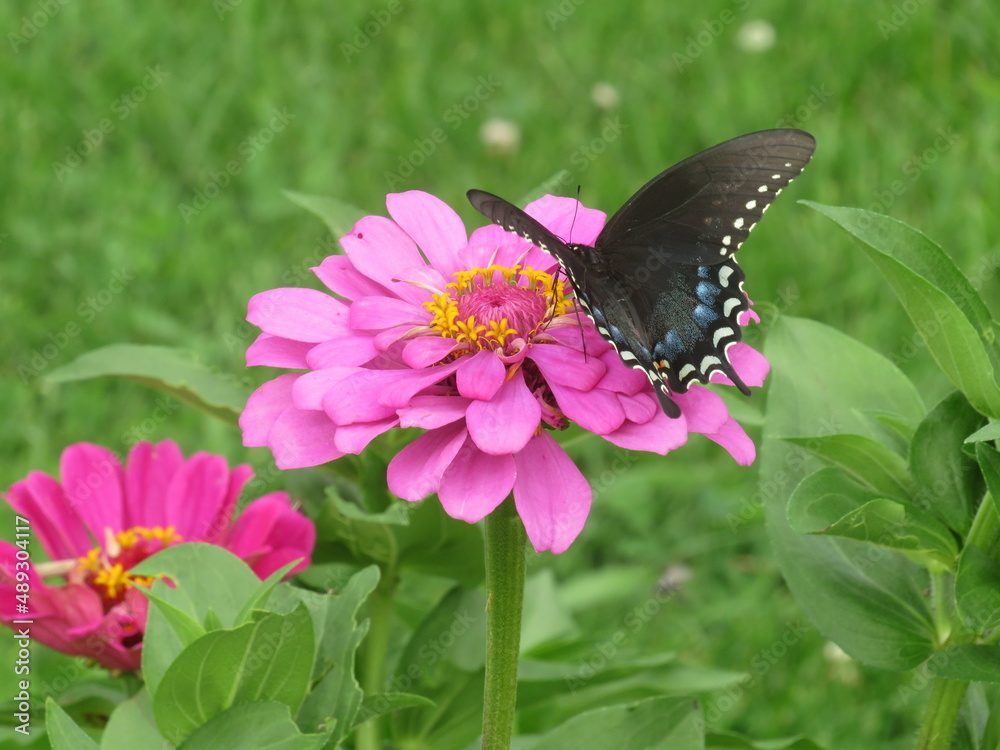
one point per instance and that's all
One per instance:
(916, 251)
(174, 371)
(867, 600)
(63, 732)
(830, 503)
(261, 725)
(989, 432)
(207, 579)
(270, 659)
(868, 461)
(414, 536)
(338, 695)
(942, 304)
(989, 464)
(652, 724)
(949, 481)
(724, 740)
(969, 663)
(132, 725)
(339, 217)
(977, 584)
(381, 704)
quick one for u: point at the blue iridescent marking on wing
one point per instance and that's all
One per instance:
(707, 292)
(705, 315)
(670, 348)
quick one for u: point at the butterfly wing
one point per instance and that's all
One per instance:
(662, 283)
(701, 210)
(513, 219)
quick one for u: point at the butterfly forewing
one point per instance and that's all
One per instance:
(702, 209)
(661, 282)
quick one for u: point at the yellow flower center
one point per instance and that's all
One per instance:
(488, 308)
(105, 568)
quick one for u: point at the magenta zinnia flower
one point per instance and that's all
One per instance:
(474, 340)
(102, 519)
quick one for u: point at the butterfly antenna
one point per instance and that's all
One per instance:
(576, 209)
(576, 299)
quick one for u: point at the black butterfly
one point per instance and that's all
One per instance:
(661, 282)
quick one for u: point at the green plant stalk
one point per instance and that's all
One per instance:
(376, 645)
(946, 694)
(941, 715)
(505, 562)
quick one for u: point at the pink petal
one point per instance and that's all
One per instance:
(641, 407)
(379, 249)
(750, 364)
(269, 534)
(263, 408)
(409, 383)
(732, 437)
(303, 438)
(354, 438)
(569, 334)
(434, 225)
(341, 277)
(385, 339)
(567, 218)
(431, 412)
(560, 364)
(196, 493)
(481, 375)
(475, 483)
(276, 351)
(704, 411)
(148, 473)
(415, 472)
(55, 522)
(505, 423)
(298, 314)
(92, 478)
(488, 238)
(343, 351)
(311, 388)
(622, 378)
(223, 519)
(356, 397)
(376, 313)
(660, 435)
(424, 351)
(552, 496)
(597, 410)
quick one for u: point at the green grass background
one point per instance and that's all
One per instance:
(877, 83)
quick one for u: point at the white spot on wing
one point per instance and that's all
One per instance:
(751, 205)
(721, 334)
(685, 371)
(762, 189)
(724, 273)
(776, 176)
(710, 361)
(727, 239)
(731, 304)
(738, 224)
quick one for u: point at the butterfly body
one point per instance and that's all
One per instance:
(661, 281)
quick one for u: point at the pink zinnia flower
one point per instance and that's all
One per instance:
(474, 340)
(102, 519)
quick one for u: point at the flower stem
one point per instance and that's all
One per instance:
(946, 694)
(942, 713)
(368, 735)
(505, 561)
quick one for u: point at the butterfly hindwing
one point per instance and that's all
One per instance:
(661, 282)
